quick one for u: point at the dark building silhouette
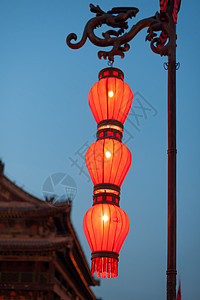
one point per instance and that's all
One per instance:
(40, 255)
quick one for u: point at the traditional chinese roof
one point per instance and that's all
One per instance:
(31, 225)
(15, 198)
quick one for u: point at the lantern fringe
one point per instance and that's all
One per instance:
(104, 267)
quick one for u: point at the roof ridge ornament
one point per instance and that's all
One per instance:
(1, 167)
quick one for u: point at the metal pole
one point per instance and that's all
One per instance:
(171, 246)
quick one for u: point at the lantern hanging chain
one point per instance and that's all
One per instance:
(110, 63)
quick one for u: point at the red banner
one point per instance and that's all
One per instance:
(179, 292)
(163, 9)
(164, 5)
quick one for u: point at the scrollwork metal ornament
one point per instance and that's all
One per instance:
(119, 39)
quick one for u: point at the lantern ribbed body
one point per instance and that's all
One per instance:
(108, 161)
(116, 106)
(106, 227)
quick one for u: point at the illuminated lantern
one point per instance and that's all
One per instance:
(106, 227)
(110, 98)
(108, 161)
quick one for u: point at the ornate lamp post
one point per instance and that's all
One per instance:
(164, 44)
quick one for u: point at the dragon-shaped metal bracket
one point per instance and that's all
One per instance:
(117, 18)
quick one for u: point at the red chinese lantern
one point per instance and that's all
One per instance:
(106, 227)
(110, 97)
(108, 160)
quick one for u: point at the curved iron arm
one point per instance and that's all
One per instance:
(117, 18)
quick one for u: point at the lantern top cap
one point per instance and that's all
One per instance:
(111, 72)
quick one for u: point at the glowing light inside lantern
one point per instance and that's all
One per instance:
(105, 218)
(110, 94)
(108, 154)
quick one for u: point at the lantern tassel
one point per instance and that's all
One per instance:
(104, 267)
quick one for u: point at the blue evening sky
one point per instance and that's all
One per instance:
(46, 123)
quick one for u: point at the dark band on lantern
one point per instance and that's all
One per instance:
(105, 254)
(107, 186)
(110, 122)
(106, 193)
(107, 198)
(111, 72)
(111, 129)
(109, 133)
